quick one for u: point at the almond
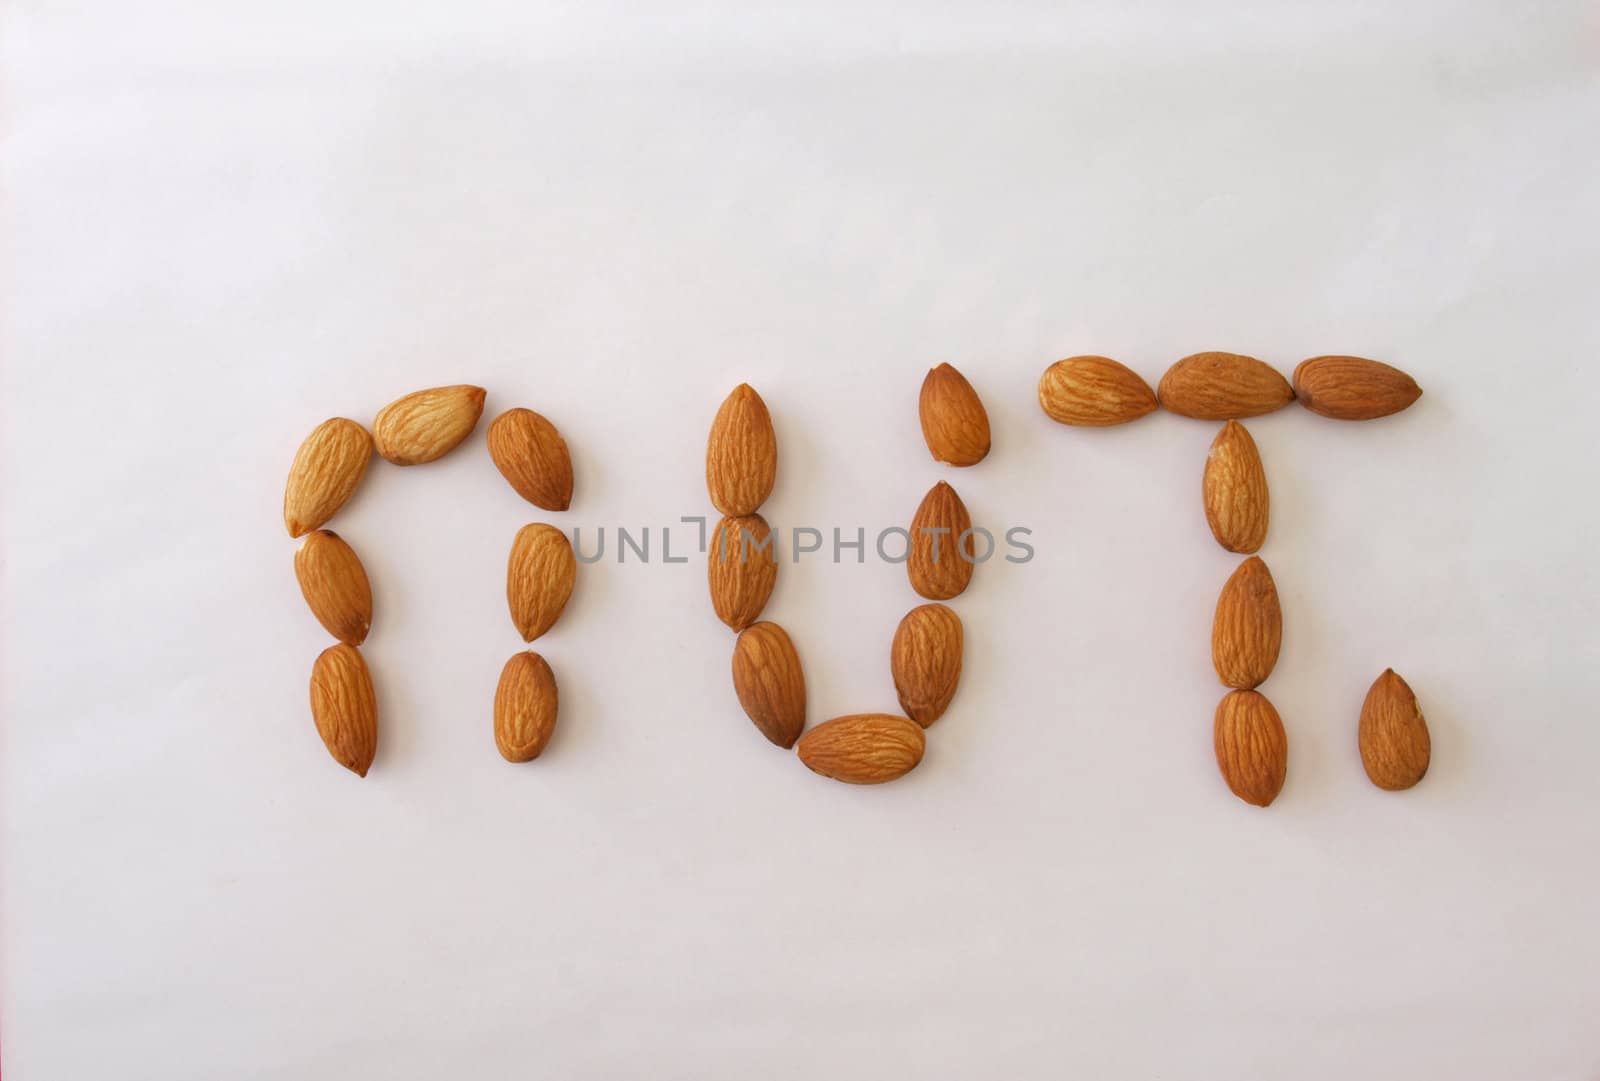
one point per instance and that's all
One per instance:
(954, 422)
(1235, 490)
(1094, 392)
(533, 458)
(942, 553)
(1395, 747)
(742, 454)
(1248, 628)
(1223, 386)
(524, 707)
(1252, 749)
(327, 468)
(335, 586)
(769, 682)
(926, 661)
(344, 707)
(428, 424)
(539, 578)
(864, 748)
(742, 569)
(1353, 388)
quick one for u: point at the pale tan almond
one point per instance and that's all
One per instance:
(533, 458)
(539, 578)
(335, 586)
(1248, 628)
(326, 470)
(741, 569)
(925, 660)
(1235, 491)
(344, 707)
(428, 424)
(942, 548)
(1395, 745)
(954, 423)
(742, 454)
(525, 705)
(1353, 388)
(1223, 386)
(1094, 392)
(770, 683)
(863, 748)
(1252, 747)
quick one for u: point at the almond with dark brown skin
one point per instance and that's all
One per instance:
(1223, 386)
(954, 422)
(1353, 388)
(770, 683)
(533, 458)
(1395, 745)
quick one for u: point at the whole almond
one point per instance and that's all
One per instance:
(327, 468)
(942, 553)
(863, 748)
(533, 458)
(1248, 628)
(742, 454)
(344, 707)
(1252, 748)
(428, 424)
(1395, 746)
(741, 569)
(770, 683)
(1235, 490)
(1094, 392)
(335, 586)
(1223, 386)
(1353, 388)
(525, 705)
(925, 659)
(539, 578)
(954, 423)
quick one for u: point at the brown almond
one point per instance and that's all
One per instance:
(1353, 388)
(1248, 628)
(942, 553)
(864, 748)
(742, 454)
(1094, 392)
(925, 659)
(1395, 746)
(344, 707)
(954, 423)
(1223, 386)
(335, 586)
(428, 424)
(525, 705)
(770, 683)
(326, 470)
(741, 569)
(539, 578)
(533, 458)
(1252, 748)
(1235, 490)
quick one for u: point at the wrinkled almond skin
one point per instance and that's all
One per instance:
(954, 423)
(1252, 747)
(863, 748)
(1395, 745)
(770, 683)
(1094, 392)
(925, 659)
(940, 564)
(742, 454)
(539, 578)
(533, 458)
(344, 707)
(335, 586)
(1248, 628)
(1234, 490)
(1353, 388)
(426, 425)
(525, 705)
(1223, 386)
(326, 470)
(741, 569)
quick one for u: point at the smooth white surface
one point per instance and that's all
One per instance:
(231, 220)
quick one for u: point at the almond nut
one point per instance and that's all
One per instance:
(1223, 386)
(533, 458)
(770, 683)
(742, 454)
(864, 748)
(1248, 628)
(344, 707)
(954, 423)
(1353, 388)
(742, 568)
(1235, 491)
(335, 586)
(1395, 746)
(425, 426)
(539, 578)
(1094, 392)
(925, 659)
(525, 705)
(1252, 748)
(327, 468)
(942, 552)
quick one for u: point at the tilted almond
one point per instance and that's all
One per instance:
(1353, 388)
(863, 748)
(327, 468)
(539, 578)
(525, 705)
(1235, 490)
(1094, 392)
(1248, 628)
(344, 707)
(1223, 386)
(742, 454)
(770, 683)
(428, 424)
(1395, 746)
(925, 659)
(942, 551)
(954, 422)
(741, 569)
(533, 458)
(1252, 748)
(335, 586)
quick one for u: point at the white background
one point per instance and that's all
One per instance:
(229, 221)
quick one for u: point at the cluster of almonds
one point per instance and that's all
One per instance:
(1251, 746)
